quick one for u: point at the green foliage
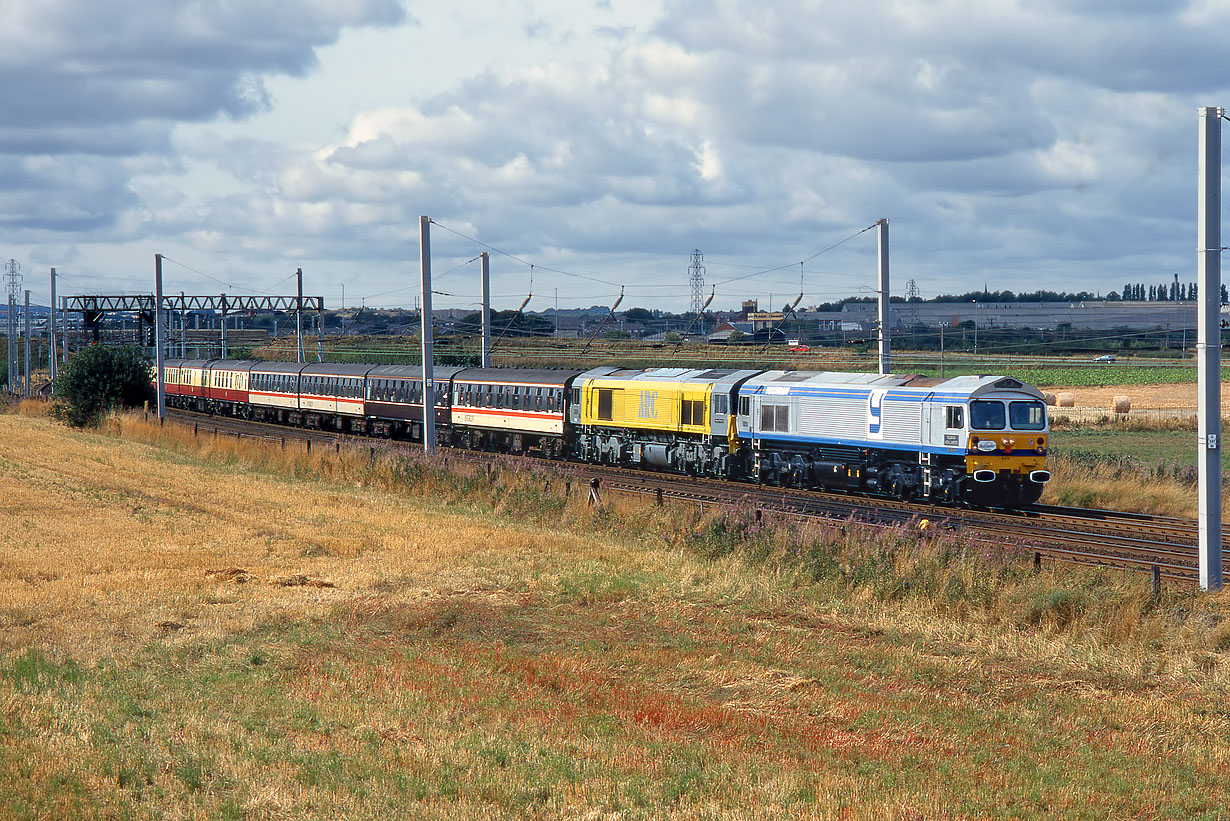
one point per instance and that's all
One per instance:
(100, 379)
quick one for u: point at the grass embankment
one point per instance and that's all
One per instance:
(200, 628)
(1141, 466)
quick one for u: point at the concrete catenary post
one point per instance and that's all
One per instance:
(429, 386)
(485, 264)
(883, 260)
(159, 332)
(1208, 347)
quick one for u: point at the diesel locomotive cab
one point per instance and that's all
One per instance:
(1007, 447)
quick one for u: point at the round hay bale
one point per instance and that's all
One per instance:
(1121, 404)
(1048, 398)
(1066, 399)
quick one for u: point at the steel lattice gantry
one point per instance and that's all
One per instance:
(224, 303)
(94, 307)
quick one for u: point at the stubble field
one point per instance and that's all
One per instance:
(197, 629)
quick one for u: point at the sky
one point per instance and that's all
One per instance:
(591, 145)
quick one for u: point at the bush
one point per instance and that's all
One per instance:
(101, 379)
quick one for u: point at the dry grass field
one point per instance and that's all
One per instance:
(204, 629)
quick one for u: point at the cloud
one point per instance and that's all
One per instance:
(990, 134)
(87, 86)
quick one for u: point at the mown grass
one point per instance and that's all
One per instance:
(221, 629)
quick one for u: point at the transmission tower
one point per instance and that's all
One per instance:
(12, 278)
(12, 287)
(911, 290)
(696, 274)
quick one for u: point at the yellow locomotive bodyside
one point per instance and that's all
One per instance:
(657, 405)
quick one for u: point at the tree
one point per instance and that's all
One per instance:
(101, 379)
(736, 336)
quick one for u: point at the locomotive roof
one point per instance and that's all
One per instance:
(964, 385)
(674, 374)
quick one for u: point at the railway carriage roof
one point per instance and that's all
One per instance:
(278, 367)
(411, 372)
(536, 376)
(185, 363)
(232, 364)
(335, 369)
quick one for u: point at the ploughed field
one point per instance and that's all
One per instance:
(199, 628)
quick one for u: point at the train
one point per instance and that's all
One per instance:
(965, 440)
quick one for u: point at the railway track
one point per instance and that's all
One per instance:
(1163, 546)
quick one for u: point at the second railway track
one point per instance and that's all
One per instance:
(1164, 545)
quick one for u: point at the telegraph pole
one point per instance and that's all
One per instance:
(485, 264)
(12, 330)
(299, 315)
(1208, 346)
(158, 332)
(883, 260)
(429, 386)
(223, 323)
(26, 322)
(52, 363)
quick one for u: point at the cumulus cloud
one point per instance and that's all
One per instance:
(85, 86)
(987, 133)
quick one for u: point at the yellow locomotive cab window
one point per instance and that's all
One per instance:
(605, 404)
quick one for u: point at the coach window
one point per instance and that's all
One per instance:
(745, 405)
(720, 401)
(954, 416)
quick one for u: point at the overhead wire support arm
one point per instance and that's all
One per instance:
(605, 320)
(695, 319)
(788, 312)
(516, 315)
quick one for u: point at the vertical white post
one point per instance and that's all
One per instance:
(52, 363)
(429, 385)
(158, 334)
(12, 317)
(485, 263)
(883, 259)
(1208, 347)
(26, 335)
(299, 315)
(64, 315)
